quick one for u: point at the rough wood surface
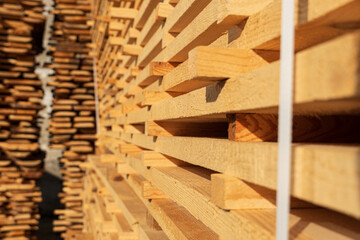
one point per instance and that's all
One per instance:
(168, 88)
(321, 128)
(21, 160)
(72, 125)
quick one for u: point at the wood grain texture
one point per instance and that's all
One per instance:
(315, 166)
(257, 91)
(164, 111)
(314, 20)
(192, 190)
(123, 13)
(173, 128)
(264, 127)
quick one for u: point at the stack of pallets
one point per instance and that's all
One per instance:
(188, 104)
(72, 124)
(21, 28)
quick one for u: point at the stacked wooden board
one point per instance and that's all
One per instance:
(72, 125)
(188, 104)
(21, 28)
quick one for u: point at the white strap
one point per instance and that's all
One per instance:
(285, 119)
(97, 111)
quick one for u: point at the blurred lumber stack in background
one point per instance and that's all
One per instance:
(21, 161)
(72, 124)
(188, 104)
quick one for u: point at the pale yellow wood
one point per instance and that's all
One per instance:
(151, 49)
(129, 148)
(152, 24)
(124, 168)
(134, 33)
(259, 89)
(163, 10)
(175, 221)
(232, 193)
(206, 27)
(260, 163)
(313, 22)
(219, 63)
(117, 26)
(145, 10)
(132, 50)
(123, 13)
(116, 41)
(191, 189)
(156, 159)
(108, 158)
(151, 192)
(151, 97)
(208, 64)
(183, 14)
(126, 199)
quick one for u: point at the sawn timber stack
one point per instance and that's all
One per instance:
(188, 107)
(72, 124)
(21, 161)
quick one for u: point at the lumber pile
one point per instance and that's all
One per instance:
(188, 104)
(21, 30)
(72, 125)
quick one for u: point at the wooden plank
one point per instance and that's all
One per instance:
(257, 91)
(151, 50)
(132, 208)
(123, 13)
(174, 219)
(151, 97)
(314, 23)
(259, 163)
(116, 41)
(183, 226)
(156, 159)
(145, 10)
(209, 64)
(263, 127)
(151, 192)
(185, 12)
(232, 193)
(132, 50)
(191, 192)
(209, 25)
(152, 71)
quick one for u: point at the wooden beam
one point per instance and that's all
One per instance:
(163, 10)
(209, 24)
(150, 97)
(315, 23)
(175, 128)
(257, 163)
(150, 192)
(214, 63)
(123, 13)
(124, 168)
(129, 148)
(152, 71)
(321, 128)
(190, 187)
(144, 12)
(132, 50)
(156, 159)
(232, 193)
(210, 64)
(116, 41)
(257, 91)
